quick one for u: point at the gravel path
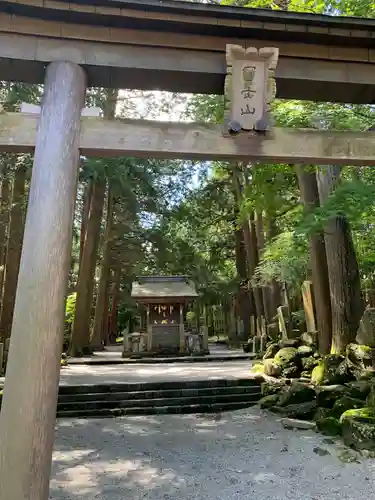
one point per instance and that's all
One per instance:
(242, 455)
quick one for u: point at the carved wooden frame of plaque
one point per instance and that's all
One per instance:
(265, 60)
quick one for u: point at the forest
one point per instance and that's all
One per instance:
(249, 235)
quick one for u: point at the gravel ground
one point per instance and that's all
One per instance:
(85, 374)
(231, 456)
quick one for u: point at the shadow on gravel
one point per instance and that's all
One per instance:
(241, 455)
(116, 459)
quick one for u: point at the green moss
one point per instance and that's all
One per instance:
(329, 426)
(309, 363)
(286, 356)
(345, 403)
(296, 393)
(269, 401)
(361, 414)
(317, 375)
(271, 368)
(271, 387)
(257, 368)
(359, 352)
(358, 428)
(332, 369)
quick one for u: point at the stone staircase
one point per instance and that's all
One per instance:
(177, 397)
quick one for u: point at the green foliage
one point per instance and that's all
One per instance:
(70, 308)
(178, 217)
(285, 259)
(190, 317)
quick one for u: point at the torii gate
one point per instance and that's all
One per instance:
(183, 50)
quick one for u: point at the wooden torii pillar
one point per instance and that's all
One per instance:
(28, 412)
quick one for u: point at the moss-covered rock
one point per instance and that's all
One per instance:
(289, 343)
(291, 371)
(286, 356)
(370, 400)
(364, 414)
(344, 373)
(326, 395)
(257, 368)
(358, 428)
(271, 351)
(331, 369)
(309, 363)
(361, 361)
(322, 413)
(329, 426)
(359, 389)
(296, 393)
(304, 411)
(271, 368)
(269, 401)
(345, 403)
(362, 356)
(305, 351)
(269, 387)
(366, 330)
(317, 376)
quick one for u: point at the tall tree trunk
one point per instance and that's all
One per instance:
(276, 298)
(100, 316)
(250, 240)
(269, 312)
(246, 249)
(13, 252)
(244, 296)
(4, 223)
(80, 340)
(252, 261)
(318, 258)
(344, 281)
(105, 319)
(85, 215)
(112, 323)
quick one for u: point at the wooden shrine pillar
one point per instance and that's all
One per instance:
(28, 412)
(182, 329)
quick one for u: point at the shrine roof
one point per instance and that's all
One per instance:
(162, 287)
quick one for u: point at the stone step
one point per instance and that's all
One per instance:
(149, 398)
(157, 386)
(158, 402)
(143, 359)
(162, 393)
(154, 410)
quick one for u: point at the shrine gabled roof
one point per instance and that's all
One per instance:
(163, 287)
